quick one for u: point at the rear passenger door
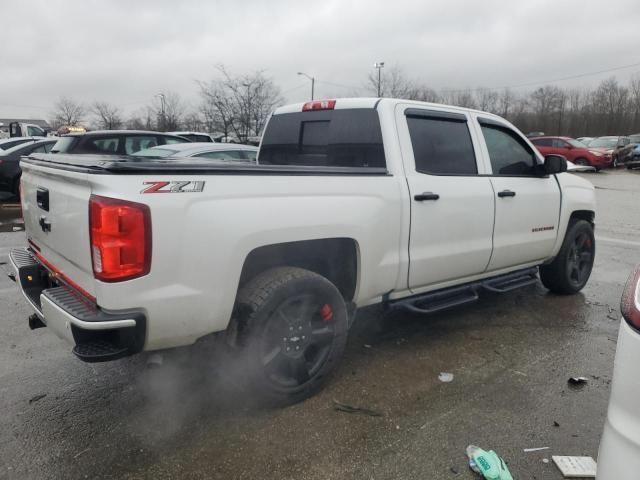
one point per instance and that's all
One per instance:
(452, 206)
(527, 203)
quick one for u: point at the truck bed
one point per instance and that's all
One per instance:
(110, 164)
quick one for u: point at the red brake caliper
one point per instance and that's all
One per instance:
(326, 312)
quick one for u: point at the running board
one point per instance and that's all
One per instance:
(446, 298)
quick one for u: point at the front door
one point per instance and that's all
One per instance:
(527, 203)
(452, 206)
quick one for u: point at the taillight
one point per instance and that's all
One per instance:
(319, 105)
(630, 302)
(120, 239)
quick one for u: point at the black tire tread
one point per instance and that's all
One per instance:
(252, 298)
(553, 275)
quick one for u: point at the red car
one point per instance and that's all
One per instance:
(573, 151)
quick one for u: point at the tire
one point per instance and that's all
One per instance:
(614, 163)
(292, 330)
(582, 162)
(571, 269)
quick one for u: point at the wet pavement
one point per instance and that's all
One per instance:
(511, 356)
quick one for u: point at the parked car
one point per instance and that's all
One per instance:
(10, 162)
(339, 213)
(18, 129)
(618, 147)
(219, 151)
(619, 453)
(635, 158)
(194, 136)
(635, 139)
(585, 140)
(7, 143)
(573, 151)
(113, 142)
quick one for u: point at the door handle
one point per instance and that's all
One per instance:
(506, 193)
(421, 197)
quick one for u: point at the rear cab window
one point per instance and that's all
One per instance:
(328, 138)
(441, 142)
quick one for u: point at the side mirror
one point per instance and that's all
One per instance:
(554, 164)
(15, 130)
(568, 146)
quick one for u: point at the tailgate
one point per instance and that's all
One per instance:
(55, 205)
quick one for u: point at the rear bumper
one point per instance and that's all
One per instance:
(97, 335)
(619, 455)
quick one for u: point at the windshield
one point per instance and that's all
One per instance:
(575, 143)
(64, 144)
(604, 142)
(155, 152)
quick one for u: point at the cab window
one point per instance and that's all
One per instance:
(441, 143)
(508, 153)
(35, 132)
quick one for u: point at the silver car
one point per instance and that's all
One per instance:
(217, 151)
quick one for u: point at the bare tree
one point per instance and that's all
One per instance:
(426, 94)
(505, 102)
(67, 112)
(142, 119)
(238, 104)
(393, 83)
(168, 108)
(193, 121)
(487, 99)
(634, 93)
(107, 116)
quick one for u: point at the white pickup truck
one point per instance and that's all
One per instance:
(353, 202)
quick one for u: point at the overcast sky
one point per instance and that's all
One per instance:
(125, 52)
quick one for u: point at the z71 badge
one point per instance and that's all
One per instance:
(173, 187)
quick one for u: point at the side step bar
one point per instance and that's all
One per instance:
(446, 298)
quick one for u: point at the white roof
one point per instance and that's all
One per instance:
(371, 102)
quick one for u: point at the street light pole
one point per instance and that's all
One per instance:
(163, 100)
(248, 106)
(379, 66)
(313, 81)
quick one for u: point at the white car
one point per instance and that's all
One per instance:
(7, 143)
(217, 151)
(352, 202)
(619, 455)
